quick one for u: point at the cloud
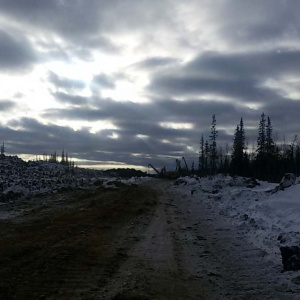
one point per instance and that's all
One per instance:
(70, 99)
(155, 62)
(146, 119)
(16, 53)
(6, 105)
(187, 62)
(103, 81)
(37, 139)
(242, 78)
(255, 65)
(65, 83)
(87, 25)
(264, 24)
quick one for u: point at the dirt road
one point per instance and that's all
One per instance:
(137, 242)
(189, 251)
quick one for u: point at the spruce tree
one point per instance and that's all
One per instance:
(213, 146)
(3, 150)
(236, 157)
(261, 140)
(63, 157)
(242, 134)
(297, 160)
(265, 161)
(201, 155)
(270, 145)
(206, 156)
(239, 157)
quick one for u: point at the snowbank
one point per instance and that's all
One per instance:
(270, 220)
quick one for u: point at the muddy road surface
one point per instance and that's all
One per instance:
(137, 242)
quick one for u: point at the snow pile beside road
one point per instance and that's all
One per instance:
(21, 180)
(269, 219)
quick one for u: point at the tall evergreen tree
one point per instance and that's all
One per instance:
(213, 146)
(297, 160)
(261, 140)
(270, 157)
(2, 150)
(239, 157)
(266, 162)
(201, 155)
(242, 134)
(269, 144)
(206, 156)
(63, 161)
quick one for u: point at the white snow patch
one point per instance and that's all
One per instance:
(269, 220)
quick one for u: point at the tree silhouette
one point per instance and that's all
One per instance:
(239, 157)
(213, 146)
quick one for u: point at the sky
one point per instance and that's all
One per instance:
(126, 83)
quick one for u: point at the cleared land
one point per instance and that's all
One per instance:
(68, 246)
(148, 241)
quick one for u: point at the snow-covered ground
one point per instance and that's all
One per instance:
(270, 219)
(20, 180)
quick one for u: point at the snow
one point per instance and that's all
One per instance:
(269, 219)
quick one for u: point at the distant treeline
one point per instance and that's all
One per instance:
(269, 161)
(64, 159)
(124, 173)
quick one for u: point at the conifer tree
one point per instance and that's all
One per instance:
(297, 160)
(270, 145)
(206, 155)
(261, 140)
(2, 153)
(213, 146)
(267, 156)
(2, 150)
(239, 157)
(260, 159)
(201, 155)
(63, 157)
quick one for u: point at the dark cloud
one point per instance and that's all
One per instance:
(16, 53)
(251, 65)
(241, 78)
(104, 109)
(233, 89)
(103, 81)
(6, 105)
(65, 83)
(87, 24)
(147, 119)
(242, 23)
(69, 99)
(69, 18)
(36, 139)
(155, 62)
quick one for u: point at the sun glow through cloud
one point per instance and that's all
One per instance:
(174, 125)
